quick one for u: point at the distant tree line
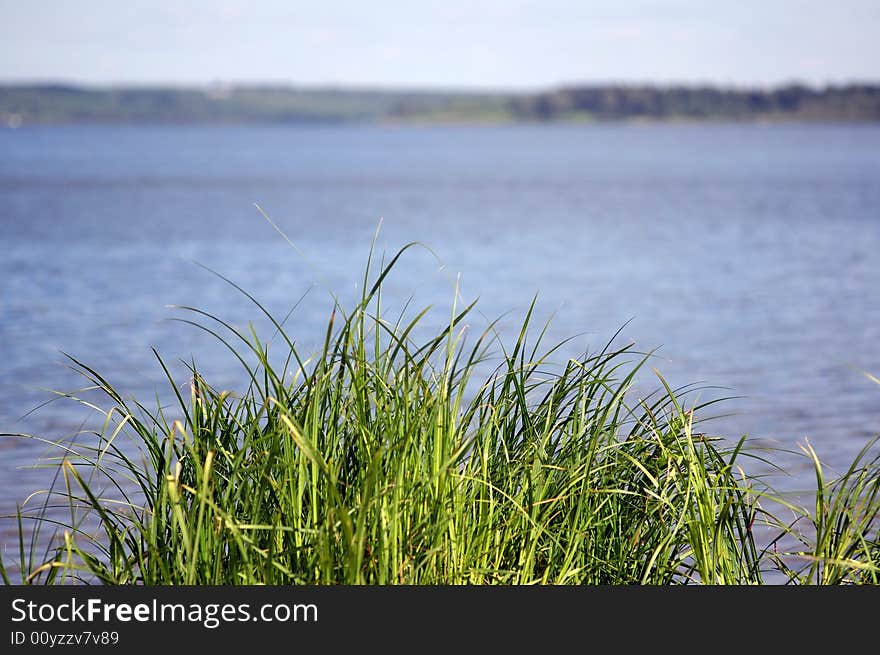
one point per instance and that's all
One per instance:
(854, 102)
(58, 103)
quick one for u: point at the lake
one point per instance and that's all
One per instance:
(746, 254)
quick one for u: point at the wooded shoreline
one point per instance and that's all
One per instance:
(23, 104)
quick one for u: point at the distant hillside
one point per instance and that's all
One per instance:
(59, 104)
(245, 104)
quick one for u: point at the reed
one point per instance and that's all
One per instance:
(449, 459)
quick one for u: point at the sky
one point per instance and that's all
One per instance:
(486, 44)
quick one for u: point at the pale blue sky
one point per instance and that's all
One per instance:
(500, 44)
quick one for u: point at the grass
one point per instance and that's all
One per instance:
(451, 459)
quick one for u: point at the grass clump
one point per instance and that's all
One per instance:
(383, 459)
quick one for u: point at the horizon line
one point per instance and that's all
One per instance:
(428, 88)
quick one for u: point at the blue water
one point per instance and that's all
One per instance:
(747, 254)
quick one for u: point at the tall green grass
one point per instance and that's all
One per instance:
(448, 459)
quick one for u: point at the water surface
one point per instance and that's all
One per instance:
(746, 253)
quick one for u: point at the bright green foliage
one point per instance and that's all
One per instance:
(382, 460)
